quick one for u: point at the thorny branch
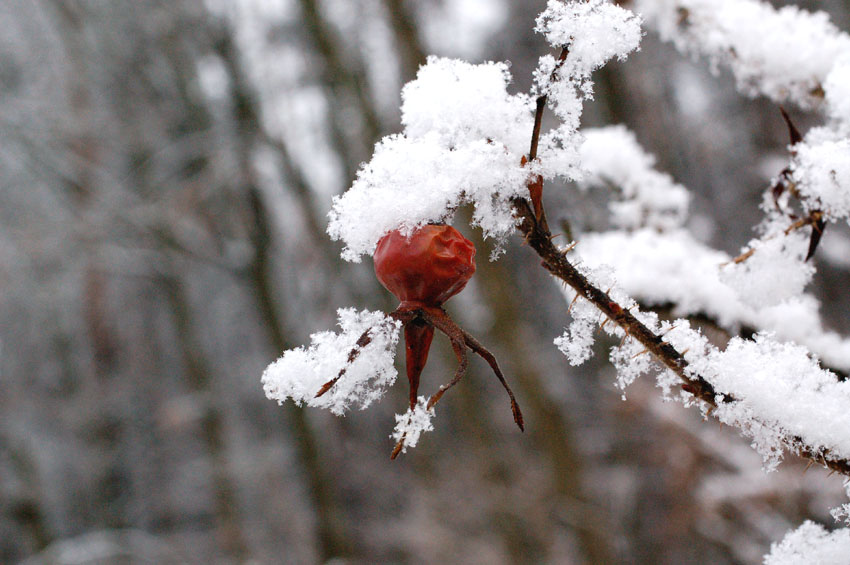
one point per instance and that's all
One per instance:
(539, 238)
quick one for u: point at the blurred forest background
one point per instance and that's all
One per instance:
(165, 171)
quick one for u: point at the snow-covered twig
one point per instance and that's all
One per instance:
(539, 238)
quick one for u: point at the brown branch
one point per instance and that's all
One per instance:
(541, 105)
(555, 261)
(538, 237)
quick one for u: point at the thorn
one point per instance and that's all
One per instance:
(625, 337)
(809, 464)
(397, 449)
(793, 132)
(639, 354)
(517, 415)
(818, 225)
(572, 303)
(668, 330)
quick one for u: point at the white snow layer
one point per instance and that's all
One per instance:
(822, 173)
(463, 141)
(811, 543)
(595, 31)
(785, 54)
(674, 268)
(464, 135)
(612, 157)
(410, 425)
(300, 373)
(780, 393)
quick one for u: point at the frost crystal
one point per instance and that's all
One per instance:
(776, 271)
(822, 174)
(463, 142)
(596, 31)
(410, 425)
(577, 340)
(784, 53)
(631, 361)
(811, 543)
(300, 373)
(613, 158)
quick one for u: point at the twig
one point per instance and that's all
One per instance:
(536, 234)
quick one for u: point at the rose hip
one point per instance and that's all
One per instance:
(426, 268)
(423, 270)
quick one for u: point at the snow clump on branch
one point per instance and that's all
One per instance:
(463, 139)
(595, 32)
(465, 135)
(785, 54)
(612, 157)
(300, 373)
(811, 543)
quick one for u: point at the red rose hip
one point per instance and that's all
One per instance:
(423, 270)
(430, 266)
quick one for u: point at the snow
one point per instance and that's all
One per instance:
(576, 343)
(410, 425)
(780, 392)
(775, 272)
(811, 543)
(785, 54)
(822, 173)
(463, 141)
(612, 158)
(782, 396)
(837, 92)
(660, 263)
(300, 373)
(464, 135)
(465, 103)
(596, 31)
(631, 360)
(431, 184)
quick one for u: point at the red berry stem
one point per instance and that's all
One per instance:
(417, 338)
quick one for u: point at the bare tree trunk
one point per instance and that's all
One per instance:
(231, 539)
(346, 78)
(333, 540)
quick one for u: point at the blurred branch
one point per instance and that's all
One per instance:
(406, 36)
(342, 75)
